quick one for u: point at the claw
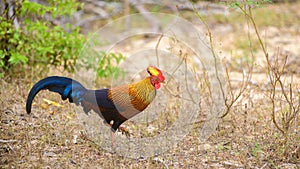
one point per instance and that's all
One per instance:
(124, 131)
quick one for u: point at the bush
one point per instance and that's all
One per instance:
(30, 38)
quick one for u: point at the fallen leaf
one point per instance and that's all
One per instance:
(44, 106)
(52, 103)
(52, 112)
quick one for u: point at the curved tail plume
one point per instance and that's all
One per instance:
(66, 87)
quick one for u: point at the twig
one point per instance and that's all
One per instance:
(8, 110)
(186, 81)
(227, 163)
(156, 47)
(7, 141)
(213, 53)
(264, 166)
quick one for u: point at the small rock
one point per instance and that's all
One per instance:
(150, 129)
(75, 139)
(49, 154)
(207, 147)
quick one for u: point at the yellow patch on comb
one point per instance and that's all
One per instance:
(153, 71)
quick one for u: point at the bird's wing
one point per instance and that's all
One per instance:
(120, 101)
(107, 99)
(94, 99)
(120, 97)
(127, 100)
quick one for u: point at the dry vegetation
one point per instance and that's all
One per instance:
(247, 137)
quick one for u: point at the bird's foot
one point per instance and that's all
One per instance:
(124, 131)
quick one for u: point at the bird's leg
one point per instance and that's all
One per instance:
(112, 135)
(120, 128)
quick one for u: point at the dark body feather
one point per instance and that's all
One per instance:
(114, 105)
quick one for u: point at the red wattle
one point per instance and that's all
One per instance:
(157, 85)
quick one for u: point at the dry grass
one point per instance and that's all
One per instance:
(52, 137)
(246, 138)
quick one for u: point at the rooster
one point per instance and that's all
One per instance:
(114, 105)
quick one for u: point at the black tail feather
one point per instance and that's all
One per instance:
(66, 87)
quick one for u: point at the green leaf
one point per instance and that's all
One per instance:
(17, 58)
(38, 39)
(2, 54)
(2, 64)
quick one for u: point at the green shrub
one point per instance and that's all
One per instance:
(36, 41)
(108, 65)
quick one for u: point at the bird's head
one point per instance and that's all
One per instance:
(156, 76)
